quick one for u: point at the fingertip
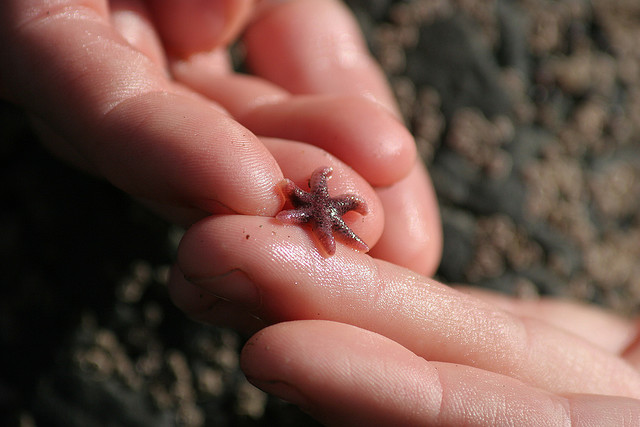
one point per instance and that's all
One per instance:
(282, 262)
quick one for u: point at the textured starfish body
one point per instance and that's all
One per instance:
(323, 211)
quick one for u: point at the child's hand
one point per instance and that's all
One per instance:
(142, 93)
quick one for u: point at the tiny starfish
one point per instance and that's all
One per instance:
(324, 211)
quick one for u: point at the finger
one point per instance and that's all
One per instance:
(430, 319)
(205, 307)
(358, 132)
(602, 328)
(189, 26)
(412, 234)
(343, 375)
(122, 115)
(355, 130)
(314, 47)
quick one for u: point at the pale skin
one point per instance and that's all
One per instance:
(364, 338)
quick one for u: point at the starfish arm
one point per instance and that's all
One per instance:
(295, 194)
(348, 236)
(294, 216)
(318, 182)
(324, 235)
(349, 202)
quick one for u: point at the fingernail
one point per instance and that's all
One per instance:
(234, 286)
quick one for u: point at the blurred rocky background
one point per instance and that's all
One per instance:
(527, 114)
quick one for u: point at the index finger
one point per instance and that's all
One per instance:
(67, 65)
(432, 320)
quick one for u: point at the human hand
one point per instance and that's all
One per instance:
(142, 93)
(365, 341)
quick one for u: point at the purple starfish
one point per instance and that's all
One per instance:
(324, 211)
